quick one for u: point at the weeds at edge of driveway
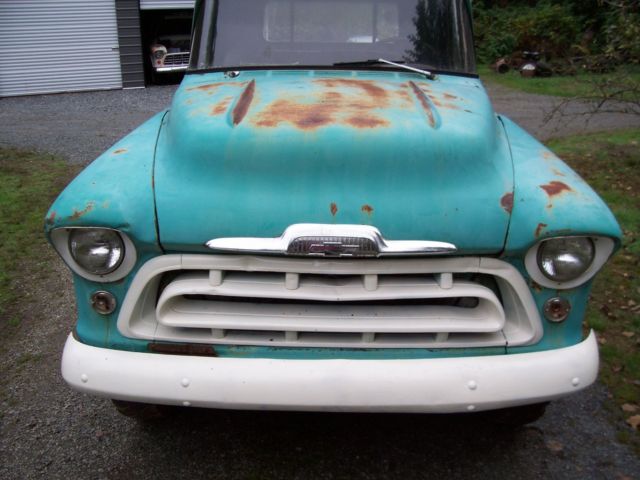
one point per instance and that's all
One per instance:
(610, 163)
(568, 86)
(29, 183)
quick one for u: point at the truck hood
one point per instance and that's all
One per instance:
(250, 156)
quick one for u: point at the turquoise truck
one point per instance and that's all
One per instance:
(331, 217)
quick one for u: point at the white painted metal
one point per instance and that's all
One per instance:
(165, 4)
(427, 385)
(517, 315)
(174, 310)
(53, 46)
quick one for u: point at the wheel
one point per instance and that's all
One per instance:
(519, 416)
(144, 412)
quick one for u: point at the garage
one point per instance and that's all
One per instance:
(165, 27)
(53, 46)
(56, 46)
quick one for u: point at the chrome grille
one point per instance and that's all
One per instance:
(177, 59)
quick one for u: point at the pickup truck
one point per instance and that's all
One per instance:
(331, 217)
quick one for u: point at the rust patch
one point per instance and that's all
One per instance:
(506, 202)
(369, 87)
(558, 172)
(220, 107)
(333, 208)
(209, 87)
(448, 96)
(77, 214)
(51, 218)
(368, 209)
(356, 105)
(547, 155)
(535, 287)
(422, 98)
(367, 122)
(120, 151)
(183, 349)
(539, 228)
(244, 102)
(556, 188)
(439, 104)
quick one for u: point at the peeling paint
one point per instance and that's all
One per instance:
(368, 209)
(506, 202)
(333, 208)
(120, 151)
(220, 107)
(77, 214)
(540, 228)
(556, 188)
(51, 218)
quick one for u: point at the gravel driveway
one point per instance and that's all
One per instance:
(49, 431)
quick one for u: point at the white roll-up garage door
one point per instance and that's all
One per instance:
(165, 4)
(58, 46)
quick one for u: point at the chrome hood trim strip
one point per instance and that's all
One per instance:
(324, 240)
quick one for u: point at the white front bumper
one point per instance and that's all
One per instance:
(442, 385)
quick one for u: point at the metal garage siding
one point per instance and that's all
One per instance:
(165, 4)
(57, 46)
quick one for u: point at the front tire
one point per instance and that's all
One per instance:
(143, 412)
(515, 417)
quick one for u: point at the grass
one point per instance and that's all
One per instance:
(580, 85)
(610, 162)
(30, 182)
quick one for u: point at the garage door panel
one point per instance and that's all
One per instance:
(56, 46)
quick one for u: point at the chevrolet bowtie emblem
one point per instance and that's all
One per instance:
(319, 240)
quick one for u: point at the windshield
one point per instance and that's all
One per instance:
(272, 33)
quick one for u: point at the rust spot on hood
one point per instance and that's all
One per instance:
(540, 228)
(424, 101)
(77, 214)
(368, 209)
(506, 202)
(367, 122)
(329, 107)
(333, 208)
(210, 87)
(556, 188)
(220, 107)
(448, 96)
(244, 102)
(372, 89)
(119, 151)
(558, 172)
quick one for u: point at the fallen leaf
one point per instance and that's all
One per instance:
(557, 447)
(629, 408)
(602, 340)
(634, 421)
(616, 369)
(629, 334)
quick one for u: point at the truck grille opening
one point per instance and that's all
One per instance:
(269, 301)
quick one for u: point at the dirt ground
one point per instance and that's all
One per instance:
(47, 430)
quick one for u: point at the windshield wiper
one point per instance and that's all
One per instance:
(426, 73)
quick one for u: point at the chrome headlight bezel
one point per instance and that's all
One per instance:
(60, 238)
(603, 248)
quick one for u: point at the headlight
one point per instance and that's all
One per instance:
(565, 259)
(158, 54)
(99, 251)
